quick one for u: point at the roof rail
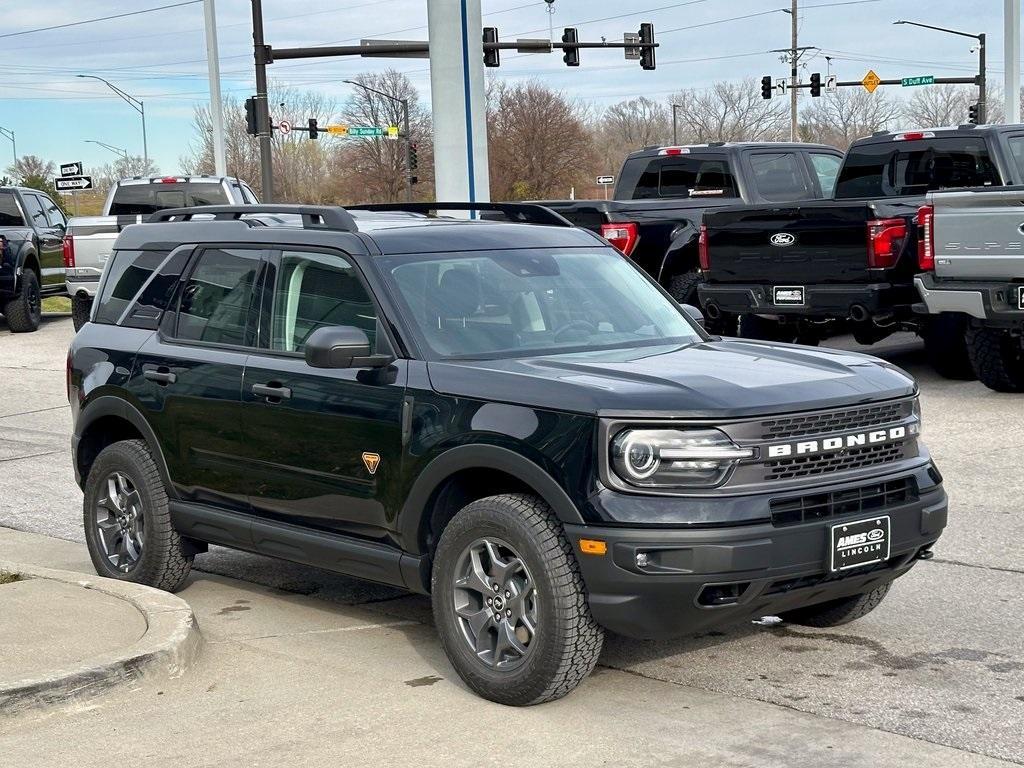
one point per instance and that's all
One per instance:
(521, 213)
(329, 217)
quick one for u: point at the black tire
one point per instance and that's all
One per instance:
(81, 308)
(24, 312)
(683, 287)
(162, 562)
(567, 642)
(837, 612)
(765, 329)
(945, 345)
(998, 358)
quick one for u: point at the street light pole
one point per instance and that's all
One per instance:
(9, 134)
(675, 124)
(405, 131)
(122, 152)
(982, 105)
(135, 104)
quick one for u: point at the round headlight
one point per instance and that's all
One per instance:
(640, 457)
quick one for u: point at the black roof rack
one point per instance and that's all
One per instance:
(521, 213)
(329, 217)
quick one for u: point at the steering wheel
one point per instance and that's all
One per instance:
(578, 325)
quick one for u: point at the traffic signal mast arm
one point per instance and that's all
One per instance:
(767, 87)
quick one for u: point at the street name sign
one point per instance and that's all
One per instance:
(366, 130)
(72, 183)
(906, 82)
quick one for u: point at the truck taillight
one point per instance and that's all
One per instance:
(702, 248)
(69, 251)
(622, 236)
(885, 239)
(926, 238)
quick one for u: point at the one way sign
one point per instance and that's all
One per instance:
(71, 169)
(73, 183)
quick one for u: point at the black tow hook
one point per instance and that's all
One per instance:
(925, 554)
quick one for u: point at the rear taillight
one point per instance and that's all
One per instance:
(622, 236)
(926, 238)
(702, 248)
(885, 239)
(69, 251)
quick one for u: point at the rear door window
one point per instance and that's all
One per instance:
(36, 214)
(216, 303)
(1016, 145)
(779, 176)
(899, 168)
(10, 213)
(150, 197)
(54, 214)
(826, 168)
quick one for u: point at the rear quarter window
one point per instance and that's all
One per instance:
(124, 277)
(10, 213)
(676, 176)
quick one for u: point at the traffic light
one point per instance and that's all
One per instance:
(972, 114)
(414, 161)
(251, 123)
(314, 130)
(492, 58)
(766, 87)
(571, 55)
(647, 58)
(816, 84)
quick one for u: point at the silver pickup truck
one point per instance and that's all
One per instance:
(971, 253)
(90, 239)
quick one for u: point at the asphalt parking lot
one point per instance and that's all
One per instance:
(941, 660)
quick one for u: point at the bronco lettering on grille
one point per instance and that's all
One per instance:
(836, 444)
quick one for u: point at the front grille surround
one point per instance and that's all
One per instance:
(825, 463)
(840, 420)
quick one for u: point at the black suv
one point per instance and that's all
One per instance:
(509, 416)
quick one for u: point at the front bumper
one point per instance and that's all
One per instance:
(997, 303)
(820, 301)
(746, 571)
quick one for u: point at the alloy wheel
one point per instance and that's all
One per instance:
(120, 523)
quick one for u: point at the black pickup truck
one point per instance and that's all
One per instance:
(32, 230)
(662, 193)
(809, 270)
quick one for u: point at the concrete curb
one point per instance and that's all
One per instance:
(170, 644)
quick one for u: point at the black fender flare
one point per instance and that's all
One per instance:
(681, 254)
(108, 405)
(479, 457)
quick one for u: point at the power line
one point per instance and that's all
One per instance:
(100, 18)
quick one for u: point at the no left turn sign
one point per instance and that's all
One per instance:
(284, 127)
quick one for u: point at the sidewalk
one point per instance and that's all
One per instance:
(285, 678)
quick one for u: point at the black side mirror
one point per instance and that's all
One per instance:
(694, 314)
(342, 346)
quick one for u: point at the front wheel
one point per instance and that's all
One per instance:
(509, 602)
(837, 612)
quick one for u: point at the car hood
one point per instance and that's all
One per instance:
(728, 378)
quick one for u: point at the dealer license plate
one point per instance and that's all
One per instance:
(788, 295)
(860, 543)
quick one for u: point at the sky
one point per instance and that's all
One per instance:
(160, 57)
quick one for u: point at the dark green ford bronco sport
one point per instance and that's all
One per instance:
(509, 416)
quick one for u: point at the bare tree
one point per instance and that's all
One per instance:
(937, 105)
(839, 118)
(538, 142)
(730, 112)
(628, 126)
(376, 166)
(29, 166)
(104, 177)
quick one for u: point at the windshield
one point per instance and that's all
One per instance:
(527, 302)
(899, 168)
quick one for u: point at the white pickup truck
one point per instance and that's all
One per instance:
(971, 253)
(90, 239)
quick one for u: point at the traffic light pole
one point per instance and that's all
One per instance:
(261, 54)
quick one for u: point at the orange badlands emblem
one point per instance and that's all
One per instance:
(372, 461)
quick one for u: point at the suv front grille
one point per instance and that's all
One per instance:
(849, 419)
(863, 499)
(852, 458)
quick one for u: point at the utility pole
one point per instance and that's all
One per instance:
(216, 104)
(793, 54)
(264, 128)
(9, 134)
(675, 125)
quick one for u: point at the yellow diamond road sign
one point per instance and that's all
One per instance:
(337, 130)
(870, 81)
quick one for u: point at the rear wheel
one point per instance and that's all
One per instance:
(509, 602)
(81, 307)
(837, 612)
(945, 345)
(683, 287)
(998, 358)
(24, 312)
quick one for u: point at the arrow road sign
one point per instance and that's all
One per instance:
(72, 183)
(605, 179)
(71, 169)
(831, 84)
(284, 127)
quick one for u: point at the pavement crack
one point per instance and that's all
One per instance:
(32, 456)
(38, 410)
(961, 563)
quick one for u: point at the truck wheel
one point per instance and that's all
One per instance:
(945, 345)
(836, 612)
(24, 312)
(683, 288)
(81, 307)
(128, 529)
(509, 602)
(765, 329)
(998, 358)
